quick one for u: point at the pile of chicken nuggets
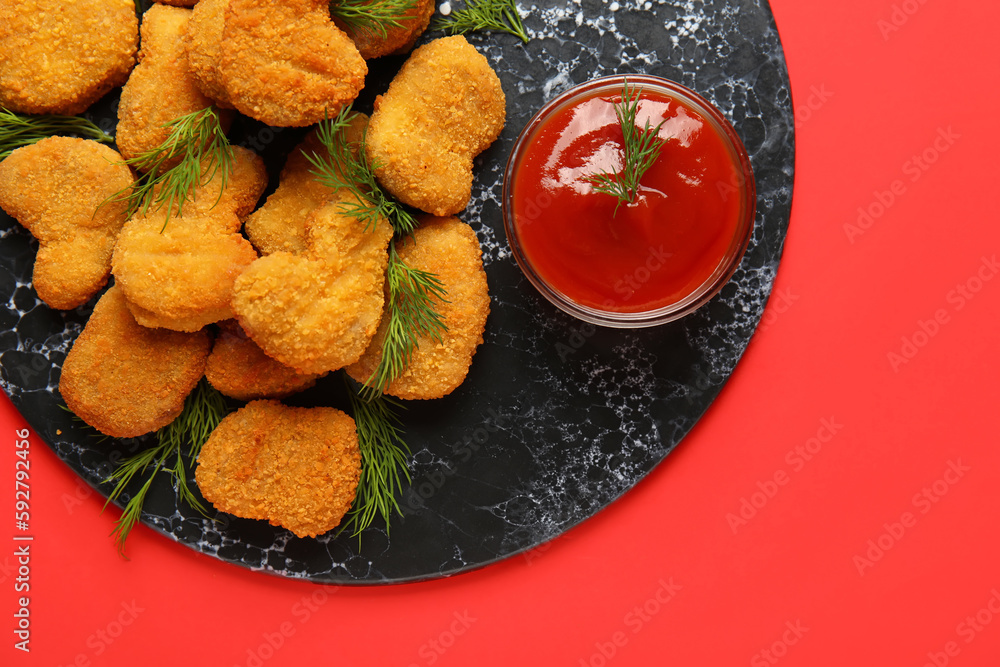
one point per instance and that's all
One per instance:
(260, 300)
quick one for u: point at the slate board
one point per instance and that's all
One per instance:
(557, 419)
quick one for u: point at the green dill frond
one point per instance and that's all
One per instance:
(641, 151)
(195, 150)
(413, 294)
(499, 15)
(384, 460)
(18, 130)
(340, 169)
(412, 313)
(177, 447)
(203, 409)
(373, 17)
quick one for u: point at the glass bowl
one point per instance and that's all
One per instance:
(536, 186)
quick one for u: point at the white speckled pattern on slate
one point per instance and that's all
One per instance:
(557, 419)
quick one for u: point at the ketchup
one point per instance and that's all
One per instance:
(649, 254)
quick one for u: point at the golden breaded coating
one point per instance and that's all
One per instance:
(238, 368)
(203, 41)
(180, 276)
(297, 468)
(55, 188)
(246, 183)
(443, 108)
(160, 89)
(126, 380)
(286, 64)
(280, 224)
(179, 273)
(398, 39)
(449, 248)
(317, 312)
(60, 57)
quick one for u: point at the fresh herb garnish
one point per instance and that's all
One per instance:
(412, 313)
(374, 17)
(181, 439)
(641, 148)
(18, 130)
(384, 460)
(411, 306)
(194, 151)
(341, 169)
(483, 15)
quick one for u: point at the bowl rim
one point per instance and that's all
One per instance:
(729, 262)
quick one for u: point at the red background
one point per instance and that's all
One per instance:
(666, 576)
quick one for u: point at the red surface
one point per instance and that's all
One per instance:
(587, 245)
(661, 577)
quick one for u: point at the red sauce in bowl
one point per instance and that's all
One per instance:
(652, 260)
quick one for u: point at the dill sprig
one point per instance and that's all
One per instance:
(413, 294)
(177, 445)
(483, 15)
(384, 460)
(641, 147)
(18, 130)
(341, 169)
(412, 313)
(193, 152)
(373, 17)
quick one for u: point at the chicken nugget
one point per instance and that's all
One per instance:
(180, 276)
(448, 248)
(238, 368)
(280, 224)
(126, 380)
(443, 108)
(179, 273)
(55, 188)
(58, 57)
(297, 468)
(160, 89)
(286, 64)
(203, 41)
(317, 312)
(397, 39)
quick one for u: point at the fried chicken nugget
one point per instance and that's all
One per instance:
(203, 41)
(58, 57)
(449, 248)
(286, 64)
(179, 273)
(160, 89)
(55, 188)
(238, 368)
(180, 277)
(317, 312)
(397, 39)
(280, 224)
(443, 108)
(297, 468)
(126, 380)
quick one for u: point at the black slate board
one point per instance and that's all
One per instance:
(557, 419)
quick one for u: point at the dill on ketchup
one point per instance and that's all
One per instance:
(641, 149)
